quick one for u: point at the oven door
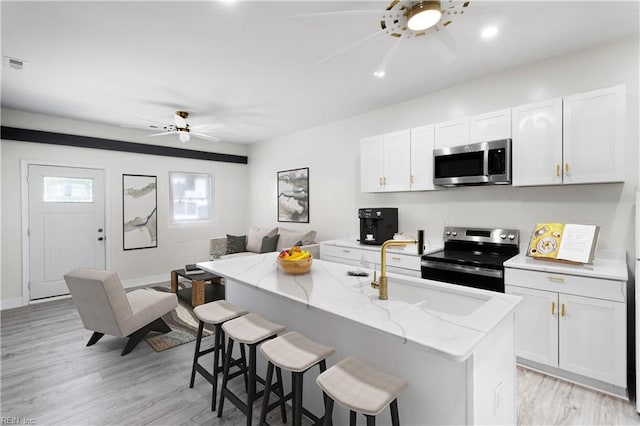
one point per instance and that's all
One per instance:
(486, 278)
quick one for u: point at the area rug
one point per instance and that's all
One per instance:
(183, 323)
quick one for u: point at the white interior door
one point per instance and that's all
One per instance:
(66, 225)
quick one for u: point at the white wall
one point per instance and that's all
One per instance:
(177, 245)
(332, 154)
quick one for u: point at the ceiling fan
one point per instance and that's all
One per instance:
(182, 128)
(403, 20)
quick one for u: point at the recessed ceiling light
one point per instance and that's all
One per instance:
(489, 32)
(379, 74)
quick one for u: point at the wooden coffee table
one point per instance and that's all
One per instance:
(197, 294)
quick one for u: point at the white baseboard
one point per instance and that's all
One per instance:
(16, 302)
(146, 281)
(127, 284)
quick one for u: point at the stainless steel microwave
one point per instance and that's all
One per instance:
(484, 163)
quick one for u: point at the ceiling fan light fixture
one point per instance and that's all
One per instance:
(423, 15)
(183, 134)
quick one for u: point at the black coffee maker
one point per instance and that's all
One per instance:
(377, 225)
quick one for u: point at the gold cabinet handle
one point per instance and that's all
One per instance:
(380, 181)
(566, 167)
(384, 181)
(562, 313)
(411, 179)
(396, 258)
(558, 170)
(556, 279)
(553, 308)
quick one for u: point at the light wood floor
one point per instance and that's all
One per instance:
(49, 377)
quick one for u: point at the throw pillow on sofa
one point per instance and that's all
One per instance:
(289, 238)
(255, 236)
(269, 244)
(236, 244)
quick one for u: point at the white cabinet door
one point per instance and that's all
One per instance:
(371, 164)
(452, 133)
(594, 136)
(397, 161)
(537, 143)
(593, 338)
(536, 325)
(422, 143)
(490, 126)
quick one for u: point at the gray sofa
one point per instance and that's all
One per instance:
(260, 240)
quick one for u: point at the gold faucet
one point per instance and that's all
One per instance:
(383, 283)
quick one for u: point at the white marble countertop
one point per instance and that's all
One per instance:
(610, 268)
(446, 319)
(410, 249)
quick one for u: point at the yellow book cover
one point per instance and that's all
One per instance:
(567, 242)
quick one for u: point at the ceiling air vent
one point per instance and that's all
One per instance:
(15, 63)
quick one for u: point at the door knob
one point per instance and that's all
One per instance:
(100, 229)
(100, 239)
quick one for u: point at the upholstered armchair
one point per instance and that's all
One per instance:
(105, 308)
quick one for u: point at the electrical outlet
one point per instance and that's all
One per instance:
(498, 399)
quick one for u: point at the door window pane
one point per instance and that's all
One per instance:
(67, 190)
(190, 197)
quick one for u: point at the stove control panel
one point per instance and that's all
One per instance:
(482, 235)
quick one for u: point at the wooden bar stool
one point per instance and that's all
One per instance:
(216, 313)
(361, 388)
(295, 353)
(251, 330)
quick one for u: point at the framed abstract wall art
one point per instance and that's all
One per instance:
(293, 195)
(139, 211)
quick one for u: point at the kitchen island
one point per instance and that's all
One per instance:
(455, 345)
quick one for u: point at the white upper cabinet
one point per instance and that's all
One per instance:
(385, 162)
(397, 161)
(452, 133)
(490, 126)
(594, 136)
(575, 139)
(537, 143)
(422, 143)
(371, 164)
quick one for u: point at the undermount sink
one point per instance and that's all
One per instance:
(448, 301)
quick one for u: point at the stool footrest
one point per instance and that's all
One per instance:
(206, 351)
(240, 404)
(205, 373)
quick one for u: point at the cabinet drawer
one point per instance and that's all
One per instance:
(364, 256)
(342, 260)
(403, 271)
(568, 284)
(403, 261)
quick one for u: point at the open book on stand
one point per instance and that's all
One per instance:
(192, 269)
(564, 242)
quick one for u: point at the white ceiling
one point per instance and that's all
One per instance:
(254, 65)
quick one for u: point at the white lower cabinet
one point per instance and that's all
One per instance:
(368, 257)
(592, 338)
(536, 325)
(571, 323)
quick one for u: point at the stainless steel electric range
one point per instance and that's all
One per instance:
(472, 257)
